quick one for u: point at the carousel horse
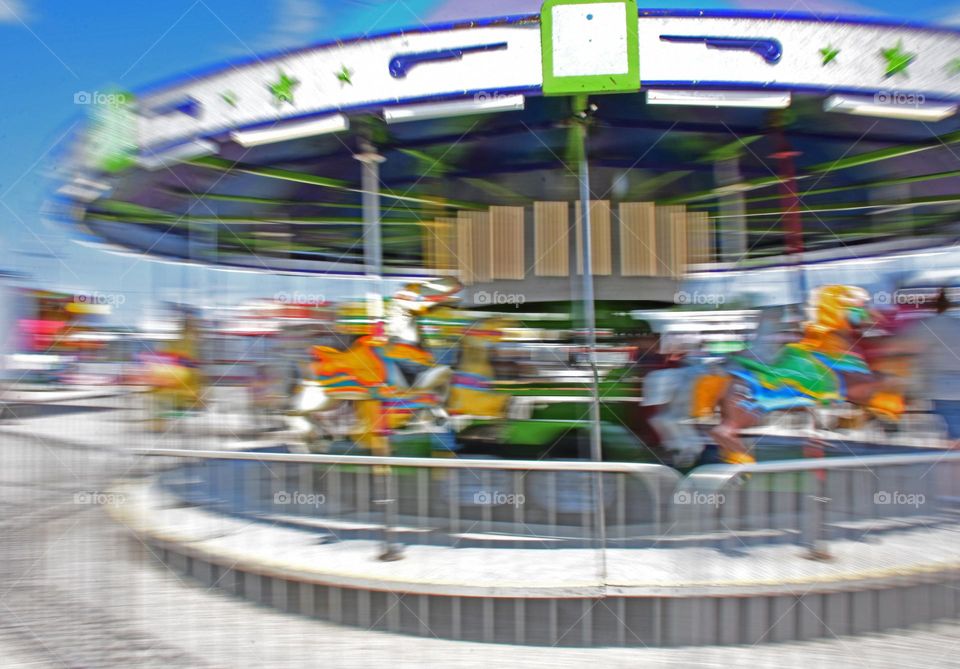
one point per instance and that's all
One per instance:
(173, 374)
(472, 391)
(370, 377)
(823, 368)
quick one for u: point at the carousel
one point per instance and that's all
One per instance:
(533, 186)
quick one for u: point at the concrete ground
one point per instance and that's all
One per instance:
(76, 590)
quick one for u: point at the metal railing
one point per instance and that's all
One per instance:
(466, 502)
(815, 500)
(442, 501)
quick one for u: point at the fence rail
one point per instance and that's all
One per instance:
(549, 504)
(816, 500)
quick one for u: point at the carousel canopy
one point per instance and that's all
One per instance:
(731, 115)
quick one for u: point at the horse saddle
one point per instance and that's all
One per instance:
(798, 377)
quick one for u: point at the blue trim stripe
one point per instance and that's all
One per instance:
(401, 64)
(768, 48)
(796, 16)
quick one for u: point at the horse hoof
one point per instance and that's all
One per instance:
(818, 554)
(739, 458)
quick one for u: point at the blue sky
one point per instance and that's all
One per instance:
(52, 50)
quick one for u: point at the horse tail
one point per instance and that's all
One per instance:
(309, 398)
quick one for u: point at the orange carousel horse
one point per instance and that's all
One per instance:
(825, 367)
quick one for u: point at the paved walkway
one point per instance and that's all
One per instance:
(153, 613)
(119, 422)
(77, 590)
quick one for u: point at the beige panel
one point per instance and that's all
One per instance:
(710, 251)
(475, 246)
(465, 250)
(440, 243)
(667, 239)
(551, 245)
(699, 237)
(448, 239)
(429, 245)
(506, 229)
(482, 246)
(678, 230)
(600, 246)
(638, 239)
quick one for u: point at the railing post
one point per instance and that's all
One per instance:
(387, 497)
(817, 550)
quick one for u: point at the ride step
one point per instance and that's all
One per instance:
(342, 525)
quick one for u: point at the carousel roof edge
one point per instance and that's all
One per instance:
(192, 76)
(213, 69)
(850, 19)
(209, 112)
(502, 55)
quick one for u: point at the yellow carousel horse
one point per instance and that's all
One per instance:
(173, 375)
(472, 391)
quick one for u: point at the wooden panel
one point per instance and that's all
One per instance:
(551, 241)
(600, 247)
(475, 246)
(670, 241)
(465, 250)
(506, 230)
(699, 237)
(638, 239)
(440, 243)
(482, 246)
(678, 240)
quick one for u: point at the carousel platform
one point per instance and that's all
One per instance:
(665, 595)
(26, 393)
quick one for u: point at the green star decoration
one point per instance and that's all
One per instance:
(282, 90)
(953, 67)
(828, 53)
(897, 59)
(343, 76)
(229, 97)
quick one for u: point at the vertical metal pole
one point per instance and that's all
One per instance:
(817, 549)
(590, 323)
(790, 202)
(732, 235)
(373, 258)
(185, 300)
(8, 311)
(589, 310)
(391, 549)
(370, 185)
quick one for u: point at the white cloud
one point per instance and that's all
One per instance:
(951, 18)
(296, 23)
(13, 11)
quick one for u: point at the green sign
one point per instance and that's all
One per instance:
(589, 46)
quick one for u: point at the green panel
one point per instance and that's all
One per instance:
(112, 139)
(589, 83)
